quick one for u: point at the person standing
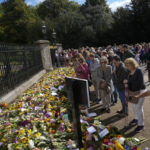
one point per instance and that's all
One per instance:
(104, 76)
(75, 64)
(93, 67)
(120, 75)
(83, 70)
(147, 58)
(57, 61)
(136, 85)
(127, 53)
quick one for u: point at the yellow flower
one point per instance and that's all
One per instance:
(29, 132)
(63, 110)
(69, 130)
(42, 107)
(118, 146)
(22, 131)
(52, 98)
(54, 107)
(20, 113)
(24, 140)
(53, 125)
(49, 106)
(37, 135)
(86, 138)
(59, 103)
(10, 108)
(53, 112)
(64, 98)
(3, 140)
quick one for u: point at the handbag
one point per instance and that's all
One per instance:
(90, 82)
(130, 95)
(131, 99)
(105, 86)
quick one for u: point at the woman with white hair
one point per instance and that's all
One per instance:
(104, 76)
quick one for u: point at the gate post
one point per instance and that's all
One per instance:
(46, 55)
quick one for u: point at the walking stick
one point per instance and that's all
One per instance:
(127, 96)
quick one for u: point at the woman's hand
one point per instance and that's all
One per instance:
(135, 97)
(125, 81)
(103, 84)
(126, 85)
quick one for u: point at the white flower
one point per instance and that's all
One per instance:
(9, 147)
(31, 144)
(121, 140)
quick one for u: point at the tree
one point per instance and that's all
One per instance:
(2, 35)
(98, 16)
(15, 20)
(69, 29)
(18, 20)
(53, 8)
(141, 19)
(95, 2)
(34, 26)
(122, 27)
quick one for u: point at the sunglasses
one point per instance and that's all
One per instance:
(102, 62)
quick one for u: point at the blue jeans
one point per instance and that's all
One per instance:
(122, 96)
(115, 94)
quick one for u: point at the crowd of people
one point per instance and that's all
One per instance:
(115, 72)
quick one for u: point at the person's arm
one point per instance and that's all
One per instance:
(131, 54)
(145, 94)
(109, 76)
(140, 79)
(84, 68)
(124, 73)
(99, 77)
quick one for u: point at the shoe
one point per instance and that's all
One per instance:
(108, 110)
(103, 109)
(119, 112)
(139, 129)
(96, 100)
(123, 115)
(112, 104)
(133, 122)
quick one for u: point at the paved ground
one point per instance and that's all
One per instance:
(115, 120)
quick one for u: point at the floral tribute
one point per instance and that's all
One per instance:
(41, 119)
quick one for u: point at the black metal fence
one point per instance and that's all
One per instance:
(17, 63)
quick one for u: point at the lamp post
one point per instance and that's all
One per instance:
(44, 31)
(54, 37)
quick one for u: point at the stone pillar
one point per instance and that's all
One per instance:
(46, 55)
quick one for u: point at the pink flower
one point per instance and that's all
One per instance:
(16, 140)
(7, 123)
(61, 127)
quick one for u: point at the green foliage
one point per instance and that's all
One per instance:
(99, 17)
(69, 28)
(91, 24)
(53, 8)
(17, 21)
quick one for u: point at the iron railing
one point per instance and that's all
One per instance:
(17, 64)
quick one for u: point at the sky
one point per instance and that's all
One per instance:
(113, 4)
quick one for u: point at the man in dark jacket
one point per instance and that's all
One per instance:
(127, 53)
(121, 74)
